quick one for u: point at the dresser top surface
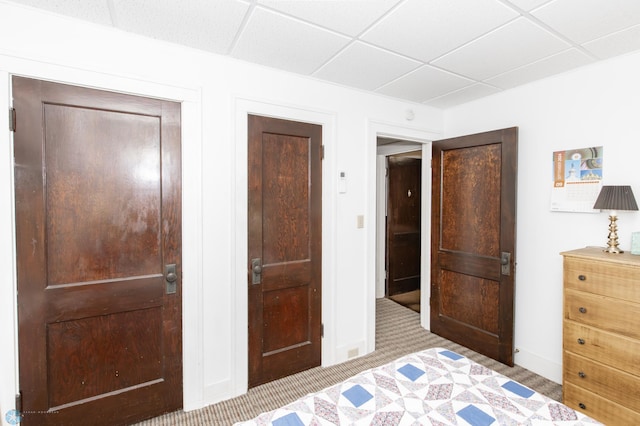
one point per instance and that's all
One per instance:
(598, 253)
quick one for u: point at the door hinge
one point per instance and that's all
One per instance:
(322, 152)
(321, 330)
(19, 402)
(12, 119)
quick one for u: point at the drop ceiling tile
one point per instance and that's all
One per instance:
(467, 94)
(201, 24)
(278, 41)
(366, 67)
(501, 43)
(96, 11)
(426, 29)
(586, 20)
(618, 43)
(513, 45)
(528, 5)
(563, 61)
(424, 83)
(347, 17)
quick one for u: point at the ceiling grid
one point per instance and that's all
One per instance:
(436, 52)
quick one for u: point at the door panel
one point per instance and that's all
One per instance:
(98, 216)
(81, 245)
(403, 224)
(473, 221)
(285, 208)
(114, 337)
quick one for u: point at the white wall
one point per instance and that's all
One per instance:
(217, 93)
(596, 106)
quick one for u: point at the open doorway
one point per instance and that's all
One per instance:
(399, 219)
(388, 140)
(402, 254)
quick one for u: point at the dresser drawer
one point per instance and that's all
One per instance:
(600, 277)
(609, 383)
(602, 312)
(599, 408)
(612, 349)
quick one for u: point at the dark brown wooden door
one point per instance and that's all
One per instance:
(403, 224)
(98, 216)
(473, 233)
(284, 270)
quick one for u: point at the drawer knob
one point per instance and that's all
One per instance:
(582, 310)
(581, 341)
(582, 406)
(582, 277)
(581, 374)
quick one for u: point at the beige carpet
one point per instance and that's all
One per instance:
(398, 333)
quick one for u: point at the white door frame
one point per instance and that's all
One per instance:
(376, 234)
(244, 107)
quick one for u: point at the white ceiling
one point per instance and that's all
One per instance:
(437, 52)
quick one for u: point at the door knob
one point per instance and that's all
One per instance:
(256, 270)
(170, 278)
(505, 262)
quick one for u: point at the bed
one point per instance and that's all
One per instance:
(435, 386)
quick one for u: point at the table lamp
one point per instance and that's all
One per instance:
(614, 199)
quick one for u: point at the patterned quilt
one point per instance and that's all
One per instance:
(432, 387)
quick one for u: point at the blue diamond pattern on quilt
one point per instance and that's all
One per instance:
(475, 416)
(290, 419)
(410, 372)
(357, 395)
(454, 356)
(518, 389)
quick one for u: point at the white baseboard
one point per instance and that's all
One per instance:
(542, 366)
(217, 392)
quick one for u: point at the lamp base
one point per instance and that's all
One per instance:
(614, 250)
(612, 243)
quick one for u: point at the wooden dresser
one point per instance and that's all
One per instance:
(601, 335)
